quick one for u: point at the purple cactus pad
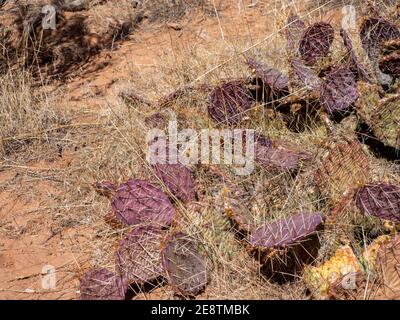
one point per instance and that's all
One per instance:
(139, 202)
(381, 200)
(102, 284)
(305, 76)
(339, 91)
(287, 231)
(229, 102)
(138, 257)
(374, 32)
(316, 42)
(178, 179)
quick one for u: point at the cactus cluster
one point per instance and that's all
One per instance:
(284, 246)
(150, 252)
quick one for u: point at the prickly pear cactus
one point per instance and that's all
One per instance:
(355, 65)
(339, 90)
(389, 60)
(303, 76)
(370, 96)
(102, 284)
(138, 258)
(185, 267)
(278, 155)
(381, 200)
(287, 231)
(385, 121)
(178, 179)
(374, 32)
(316, 42)
(343, 169)
(388, 266)
(381, 115)
(139, 202)
(229, 102)
(284, 246)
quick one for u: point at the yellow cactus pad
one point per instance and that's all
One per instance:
(320, 279)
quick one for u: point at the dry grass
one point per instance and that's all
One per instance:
(27, 116)
(116, 151)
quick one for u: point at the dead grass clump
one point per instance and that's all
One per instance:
(26, 115)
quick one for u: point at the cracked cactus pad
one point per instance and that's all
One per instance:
(102, 284)
(184, 265)
(138, 257)
(139, 202)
